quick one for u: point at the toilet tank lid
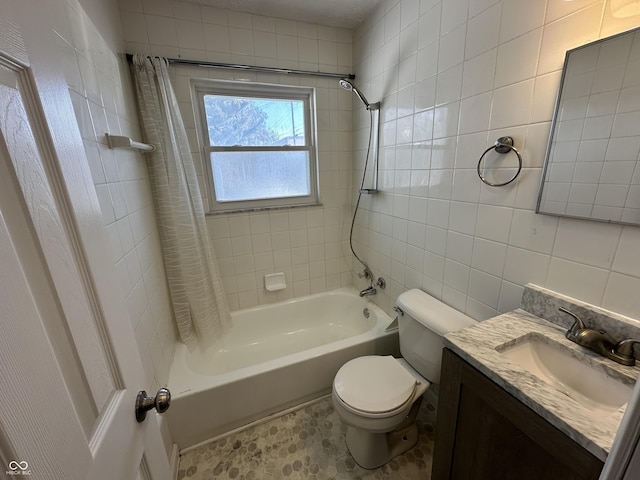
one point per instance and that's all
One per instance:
(432, 313)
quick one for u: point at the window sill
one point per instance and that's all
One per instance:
(261, 209)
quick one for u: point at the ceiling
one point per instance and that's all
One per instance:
(335, 13)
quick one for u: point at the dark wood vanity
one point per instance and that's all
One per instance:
(483, 432)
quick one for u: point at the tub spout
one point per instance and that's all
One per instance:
(367, 292)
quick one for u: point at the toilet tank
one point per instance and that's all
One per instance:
(425, 321)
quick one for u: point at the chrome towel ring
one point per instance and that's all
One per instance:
(502, 145)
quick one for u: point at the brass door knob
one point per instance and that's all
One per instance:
(160, 402)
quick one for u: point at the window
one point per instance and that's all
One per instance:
(258, 144)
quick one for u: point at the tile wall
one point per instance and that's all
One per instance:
(307, 244)
(453, 76)
(101, 91)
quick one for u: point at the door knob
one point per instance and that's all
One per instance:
(160, 402)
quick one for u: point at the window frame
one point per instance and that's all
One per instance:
(202, 87)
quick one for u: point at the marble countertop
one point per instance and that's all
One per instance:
(480, 345)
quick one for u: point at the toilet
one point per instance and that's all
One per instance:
(378, 397)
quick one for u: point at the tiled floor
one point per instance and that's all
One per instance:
(304, 444)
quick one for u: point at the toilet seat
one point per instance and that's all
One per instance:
(375, 386)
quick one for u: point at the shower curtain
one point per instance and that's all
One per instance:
(195, 288)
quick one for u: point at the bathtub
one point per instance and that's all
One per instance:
(273, 358)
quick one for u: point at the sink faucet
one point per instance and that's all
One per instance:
(600, 342)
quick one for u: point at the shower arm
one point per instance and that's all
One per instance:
(374, 112)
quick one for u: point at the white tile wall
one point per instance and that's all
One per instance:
(307, 244)
(486, 68)
(452, 76)
(101, 92)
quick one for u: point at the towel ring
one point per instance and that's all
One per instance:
(502, 145)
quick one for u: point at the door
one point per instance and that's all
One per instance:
(623, 461)
(69, 365)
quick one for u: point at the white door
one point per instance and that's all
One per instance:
(69, 365)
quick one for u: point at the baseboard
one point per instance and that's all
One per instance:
(260, 421)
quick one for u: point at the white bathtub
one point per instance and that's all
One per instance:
(274, 357)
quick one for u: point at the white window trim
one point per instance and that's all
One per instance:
(202, 87)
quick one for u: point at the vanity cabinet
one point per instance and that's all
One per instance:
(483, 432)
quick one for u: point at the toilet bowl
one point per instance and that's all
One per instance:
(378, 397)
(377, 392)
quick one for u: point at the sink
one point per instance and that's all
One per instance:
(551, 363)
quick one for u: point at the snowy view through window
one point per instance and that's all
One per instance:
(259, 147)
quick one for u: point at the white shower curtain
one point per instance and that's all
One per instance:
(195, 287)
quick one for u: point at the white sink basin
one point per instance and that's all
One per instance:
(549, 362)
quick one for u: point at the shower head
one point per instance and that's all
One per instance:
(347, 85)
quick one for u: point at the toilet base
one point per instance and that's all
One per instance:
(372, 450)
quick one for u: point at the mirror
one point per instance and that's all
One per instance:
(592, 168)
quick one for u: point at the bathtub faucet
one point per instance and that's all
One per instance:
(371, 289)
(368, 291)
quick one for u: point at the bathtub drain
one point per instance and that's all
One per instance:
(366, 312)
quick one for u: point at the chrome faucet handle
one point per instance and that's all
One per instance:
(366, 273)
(577, 324)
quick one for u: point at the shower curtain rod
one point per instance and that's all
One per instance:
(252, 68)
